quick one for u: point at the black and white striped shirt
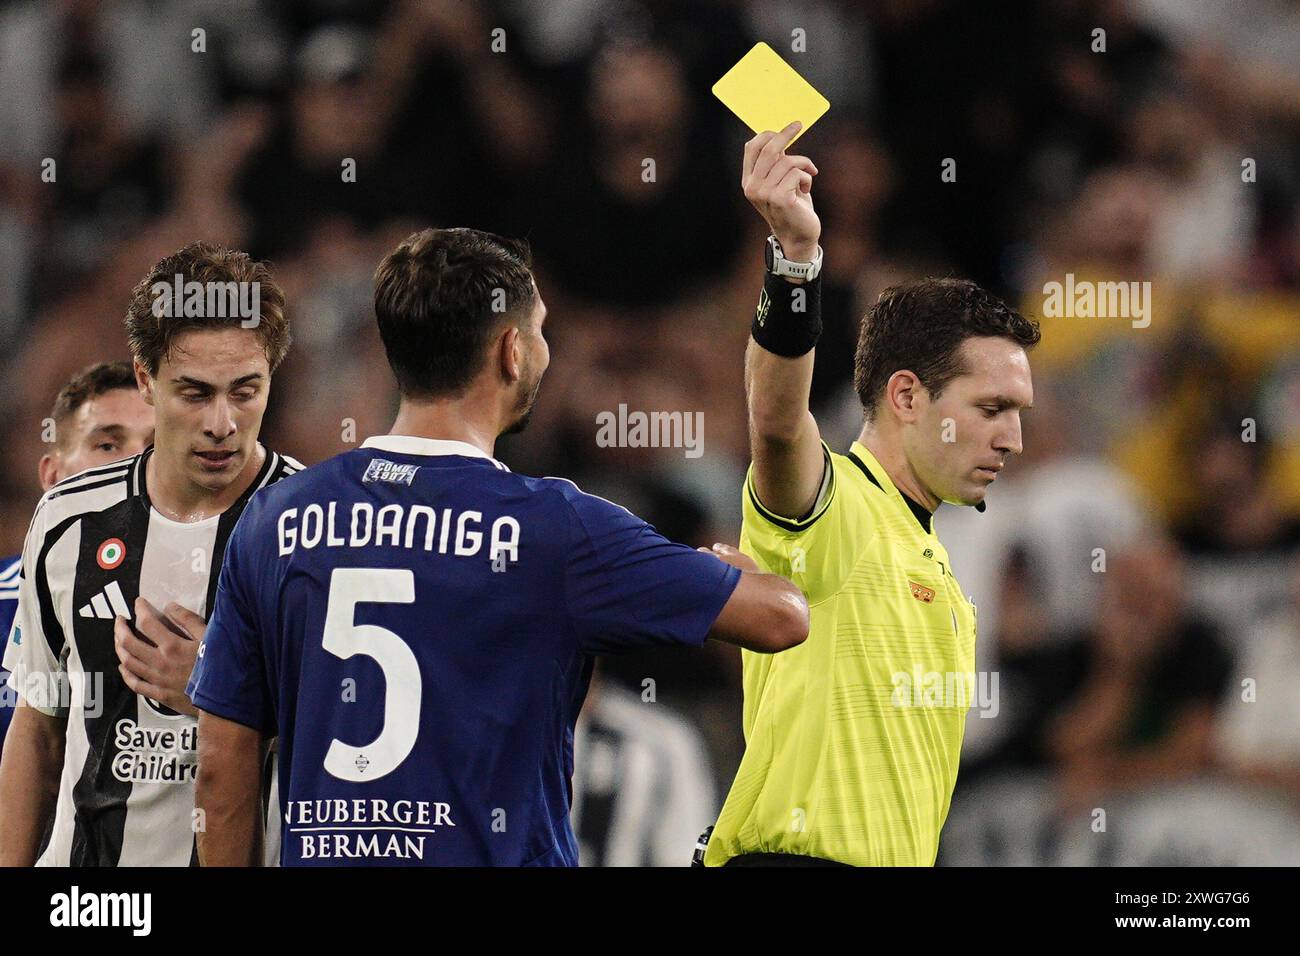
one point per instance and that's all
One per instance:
(643, 789)
(126, 797)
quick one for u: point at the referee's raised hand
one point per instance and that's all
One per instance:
(780, 188)
(784, 439)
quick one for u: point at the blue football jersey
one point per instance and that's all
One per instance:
(9, 570)
(417, 623)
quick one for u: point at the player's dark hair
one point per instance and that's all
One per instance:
(920, 326)
(440, 298)
(90, 383)
(151, 335)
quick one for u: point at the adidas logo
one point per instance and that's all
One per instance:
(106, 604)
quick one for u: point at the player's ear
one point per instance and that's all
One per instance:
(143, 381)
(48, 470)
(901, 394)
(511, 352)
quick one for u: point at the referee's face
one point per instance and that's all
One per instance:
(967, 434)
(209, 397)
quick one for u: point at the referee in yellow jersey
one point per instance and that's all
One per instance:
(853, 738)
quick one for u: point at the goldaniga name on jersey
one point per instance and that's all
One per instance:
(364, 828)
(360, 525)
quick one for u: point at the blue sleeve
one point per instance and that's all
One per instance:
(627, 586)
(8, 698)
(229, 677)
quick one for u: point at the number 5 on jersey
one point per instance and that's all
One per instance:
(402, 686)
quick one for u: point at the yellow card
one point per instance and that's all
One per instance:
(767, 94)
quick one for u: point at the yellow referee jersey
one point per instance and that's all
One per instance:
(853, 737)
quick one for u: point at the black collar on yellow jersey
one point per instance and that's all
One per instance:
(923, 516)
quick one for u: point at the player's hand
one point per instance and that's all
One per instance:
(780, 188)
(158, 663)
(733, 557)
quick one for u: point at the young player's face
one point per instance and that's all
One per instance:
(209, 397)
(116, 424)
(966, 435)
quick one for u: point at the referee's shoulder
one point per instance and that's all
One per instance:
(852, 472)
(853, 487)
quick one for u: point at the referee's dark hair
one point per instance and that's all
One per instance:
(919, 326)
(89, 383)
(440, 297)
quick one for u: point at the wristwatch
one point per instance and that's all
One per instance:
(779, 265)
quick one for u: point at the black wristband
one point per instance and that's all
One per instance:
(788, 320)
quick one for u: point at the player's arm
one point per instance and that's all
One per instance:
(766, 613)
(789, 464)
(229, 689)
(626, 585)
(29, 782)
(33, 753)
(228, 792)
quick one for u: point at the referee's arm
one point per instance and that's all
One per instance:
(784, 440)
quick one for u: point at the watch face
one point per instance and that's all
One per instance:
(768, 257)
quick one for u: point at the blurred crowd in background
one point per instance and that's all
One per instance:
(1136, 572)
